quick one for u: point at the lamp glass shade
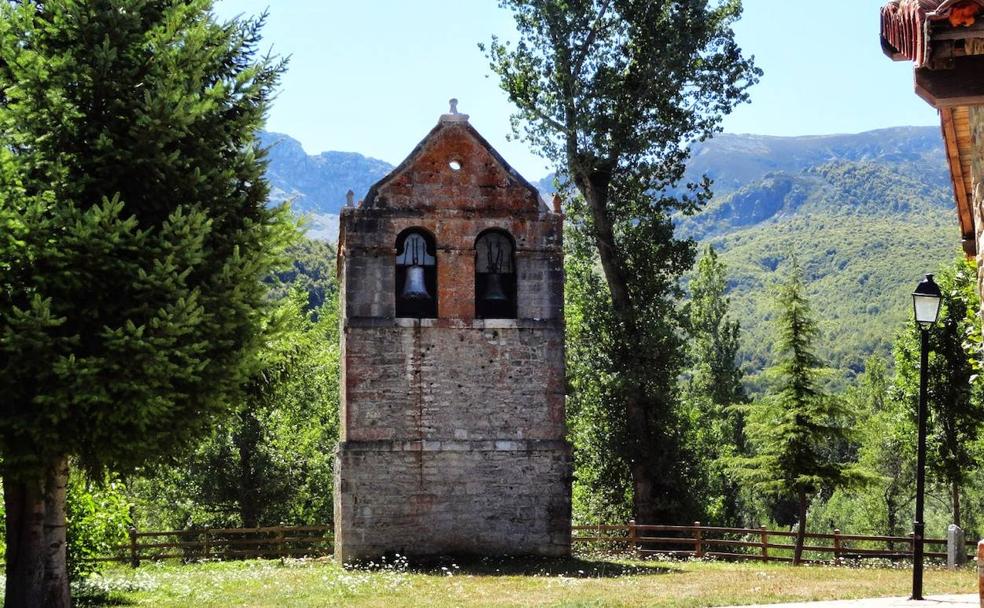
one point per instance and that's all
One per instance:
(926, 301)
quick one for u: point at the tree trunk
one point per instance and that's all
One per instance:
(594, 188)
(800, 530)
(56, 589)
(643, 502)
(247, 440)
(24, 503)
(891, 511)
(645, 478)
(955, 493)
(37, 566)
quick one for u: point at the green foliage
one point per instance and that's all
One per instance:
(886, 421)
(609, 365)
(715, 336)
(955, 402)
(98, 519)
(795, 429)
(271, 462)
(312, 270)
(611, 92)
(714, 428)
(627, 81)
(596, 420)
(885, 446)
(129, 292)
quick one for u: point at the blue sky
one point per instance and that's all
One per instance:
(372, 76)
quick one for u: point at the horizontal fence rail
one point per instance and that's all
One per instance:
(697, 541)
(198, 544)
(694, 541)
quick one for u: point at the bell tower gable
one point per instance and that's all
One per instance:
(455, 169)
(452, 434)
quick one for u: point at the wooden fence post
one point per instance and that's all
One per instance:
(698, 546)
(280, 541)
(837, 545)
(134, 553)
(633, 536)
(765, 543)
(205, 535)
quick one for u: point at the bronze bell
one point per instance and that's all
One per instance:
(414, 287)
(493, 288)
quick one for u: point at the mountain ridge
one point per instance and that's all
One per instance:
(317, 183)
(865, 214)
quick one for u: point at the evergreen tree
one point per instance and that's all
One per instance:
(612, 91)
(793, 427)
(714, 386)
(134, 234)
(270, 462)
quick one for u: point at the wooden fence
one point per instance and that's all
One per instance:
(643, 540)
(224, 544)
(751, 543)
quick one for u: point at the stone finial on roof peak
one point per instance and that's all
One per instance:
(453, 115)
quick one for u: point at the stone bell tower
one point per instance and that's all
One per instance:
(452, 410)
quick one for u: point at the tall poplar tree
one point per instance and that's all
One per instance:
(713, 388)
(715, 338)
(794, 426)
(134, 237)
(612, 92)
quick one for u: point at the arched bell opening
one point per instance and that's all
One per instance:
(495, 275)
(416, 275)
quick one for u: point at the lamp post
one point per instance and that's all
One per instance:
(926, 306)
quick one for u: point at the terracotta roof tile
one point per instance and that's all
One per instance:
(905, 25)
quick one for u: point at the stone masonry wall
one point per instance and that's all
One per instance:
(454, 498)
(498, 380)
(453, 435)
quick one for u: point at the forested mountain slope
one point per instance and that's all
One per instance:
(866, 214)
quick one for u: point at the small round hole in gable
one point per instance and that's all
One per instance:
(455, 165)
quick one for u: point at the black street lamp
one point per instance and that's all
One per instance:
(926, 306)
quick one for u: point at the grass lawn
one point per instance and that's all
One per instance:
(567, 583)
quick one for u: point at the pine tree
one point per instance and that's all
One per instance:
(134, 236)
(792, 428)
